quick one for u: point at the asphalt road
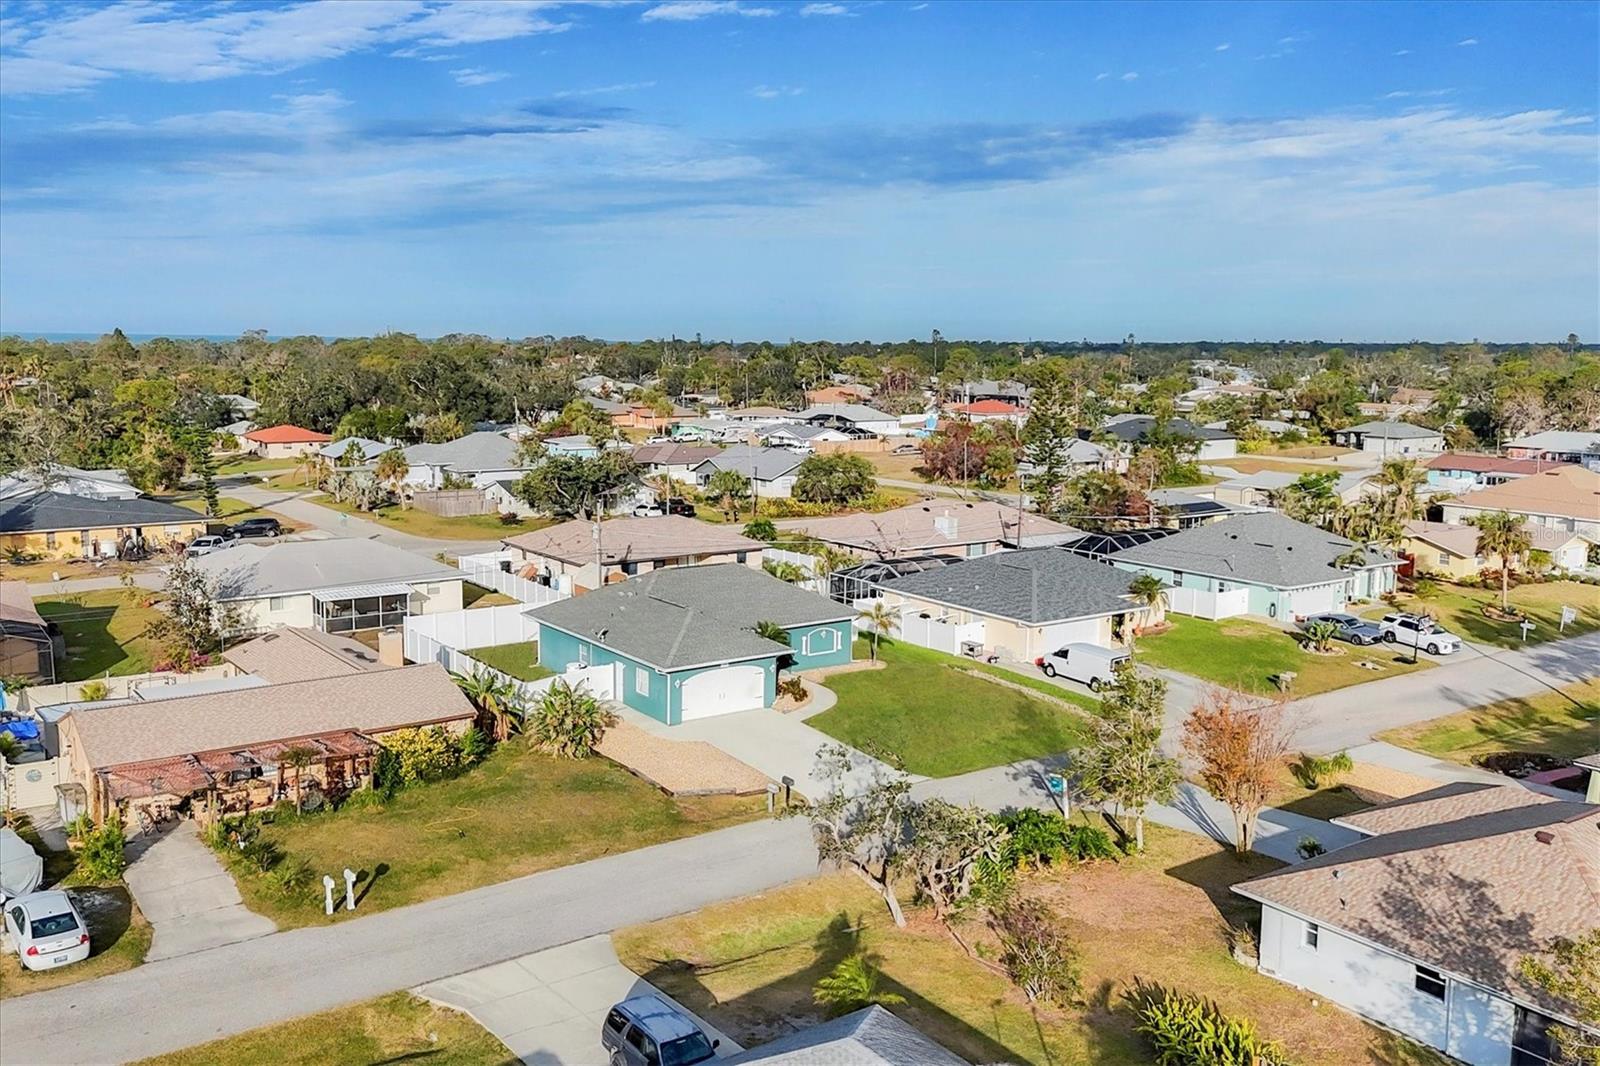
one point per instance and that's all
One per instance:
(179, 1002)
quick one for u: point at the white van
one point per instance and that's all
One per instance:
(1087, 663)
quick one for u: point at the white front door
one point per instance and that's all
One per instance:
(732, 688)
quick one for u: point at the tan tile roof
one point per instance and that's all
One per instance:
(918, 527)
(16, 604)
(634, 540)
(296, 654)
(1447, 803)
(1471, 896)
(1571, 491)
(368, 702)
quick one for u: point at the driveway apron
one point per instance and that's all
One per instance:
(190, 900)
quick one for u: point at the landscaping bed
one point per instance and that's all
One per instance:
(749, 966)
(517, 813)
(392, 1028)
(927, 712)
(1246, 655)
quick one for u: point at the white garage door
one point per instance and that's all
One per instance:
(732, 688)
(1316, 600)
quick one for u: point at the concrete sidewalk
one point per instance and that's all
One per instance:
(547, 1007)
(191, 901)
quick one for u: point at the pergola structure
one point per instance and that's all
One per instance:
(356, 607)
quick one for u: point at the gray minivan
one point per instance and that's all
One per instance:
(648, 1031)
(1089, 664)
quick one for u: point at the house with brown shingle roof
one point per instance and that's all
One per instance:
(580, 556)
(1565, 497)
(1423, 926)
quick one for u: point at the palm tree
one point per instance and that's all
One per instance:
(1149, 592)
(852, 985)
(772, 631)
(1504, 534)
(881, 621)
(298, 756)
(729, 488)
(392, 469)
(497, 698)
(569, 721)
(1401, 480)
(309, 465)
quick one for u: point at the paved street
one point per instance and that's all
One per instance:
(178, 1002)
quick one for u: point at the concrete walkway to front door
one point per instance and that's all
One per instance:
(547, 1007)
(190, 900)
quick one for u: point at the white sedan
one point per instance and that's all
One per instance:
(46, 930)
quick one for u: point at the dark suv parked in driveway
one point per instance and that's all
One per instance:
(648, 1031)
(257, 527)
(683, 507)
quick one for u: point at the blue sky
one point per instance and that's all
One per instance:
(750, 168)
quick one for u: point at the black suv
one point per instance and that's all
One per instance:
(683, 507)
(257, 527)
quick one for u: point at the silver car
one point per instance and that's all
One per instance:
(1348, 627)
(46, 930)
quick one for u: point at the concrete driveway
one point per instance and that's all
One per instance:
(547, 1007)
(190, 900)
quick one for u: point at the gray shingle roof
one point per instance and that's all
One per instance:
(758, 464)
(1135, 428)
(251, 571)
(869, 1037)
(44, 511)
(1393, 430)
(849, 412)
(1265, 549)
(475, 451)
(1035, 585)
(690, 615)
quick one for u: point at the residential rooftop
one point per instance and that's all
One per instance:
(686, 616)
(44, 512)
(16, 605)
(756, 463)
(475, 451)
(1567, 491)
(299, 654)
(1393, 430)
(284, 433)
(1035, 585)
(284, 567)
(1135, 428)
(869, 1037)
(1266, 548)
(849, 412)
(1489, 464)
(1559, 440)
(931, 525)
(633, 540)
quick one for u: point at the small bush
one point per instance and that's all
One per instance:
(1189, 1030)
(1310, 848)
(1035, 838)
(292, 877)
(94, 690)
(1314, 771)
(423, 754)
(1035, 952)
(568, 721)
(1089, 843)
(792, 687)
(474, 746)
(102, 857)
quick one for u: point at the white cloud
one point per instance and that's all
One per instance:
(1467, 42)
(82, 47)
(1403, 52)
(478, 76)
(1223, 47)
(808, 10)
(772, 92)
(1132, 75)
(917, 7)
(599, 90)
(1102, 76)
(694, 10)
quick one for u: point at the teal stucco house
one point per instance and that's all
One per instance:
(684, 638)
(1266, 563)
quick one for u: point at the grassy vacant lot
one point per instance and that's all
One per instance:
(1460, 610)
(927, 711)
(1246, 655)
(1565, 723)
(391, 1028)
(518, 813)
(519, 660)
(749, 965)
(105, 633)
(230, 509)
(422, 524)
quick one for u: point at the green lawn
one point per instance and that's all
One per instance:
(474, 595)
(748, 966)
(519, 660)
(230, 509)
(924, 710)
(391, 1029)
(105, 633)
(1565, 723)
(1245, 655)
(249, 464)
(518, 813)
(422, 524)
(1460, 610)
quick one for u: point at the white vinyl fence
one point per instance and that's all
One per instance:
(807, 563)
(1212, 605)
(476, 627)
(424, 644)
(486, 569)
(938, 634)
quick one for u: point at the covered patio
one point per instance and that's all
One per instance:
(356, 607)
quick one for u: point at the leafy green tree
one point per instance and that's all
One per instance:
(1046, 437)
(861, 829)
(761, 529)
(947, 846)
(1149, 592)
(839, 479)
(391, 471)
(729, 489)
(1504, 534)
(570, 485)
(1122, 763)
(1572, 975)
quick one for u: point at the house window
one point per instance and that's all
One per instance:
(1309, 936)
(583, 655)
(432, 590)
(630, 568)
(741, 557)
(277, 603)
(49, 540)
(641, 681)
(1430, 982)
(1444, 558)
(1533, 1041)
(1177, 579)
(820, 642)
(974, 551)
